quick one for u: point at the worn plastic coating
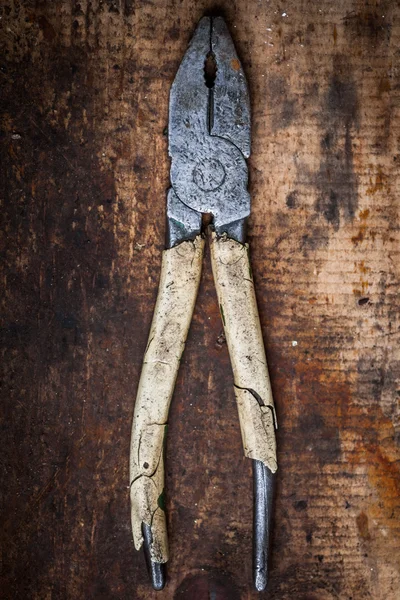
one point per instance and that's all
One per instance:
(237, 302)
(179, 282)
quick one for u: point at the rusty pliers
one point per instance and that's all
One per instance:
(209, 141)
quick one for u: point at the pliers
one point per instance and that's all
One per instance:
(209, 141)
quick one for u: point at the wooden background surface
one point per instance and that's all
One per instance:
(84, 171)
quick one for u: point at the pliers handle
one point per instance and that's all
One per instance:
(180, 277)
(179, 282)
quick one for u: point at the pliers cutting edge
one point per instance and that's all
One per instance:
(209, 141)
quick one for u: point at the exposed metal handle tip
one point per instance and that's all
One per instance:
(157, 575)
(156, 570)
(264, 488)
(261, 576)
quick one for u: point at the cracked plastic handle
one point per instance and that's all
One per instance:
(179, 282)
(238, 307)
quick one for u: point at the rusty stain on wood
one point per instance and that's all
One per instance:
(84, 169)
(363, 215)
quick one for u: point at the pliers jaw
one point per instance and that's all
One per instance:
(231, 100)
(209, 137)
(222, 107)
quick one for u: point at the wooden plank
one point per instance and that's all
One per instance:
(84, 171)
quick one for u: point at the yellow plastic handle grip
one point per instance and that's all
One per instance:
(238, 306)
(179, 282)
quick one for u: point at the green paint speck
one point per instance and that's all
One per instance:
(161, 501)
(222, 314)
(250, 271)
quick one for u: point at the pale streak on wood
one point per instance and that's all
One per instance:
(179, 282)
(238, 306)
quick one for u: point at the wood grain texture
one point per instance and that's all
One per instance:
(84, 170)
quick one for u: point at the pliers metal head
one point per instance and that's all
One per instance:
(209, 136)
